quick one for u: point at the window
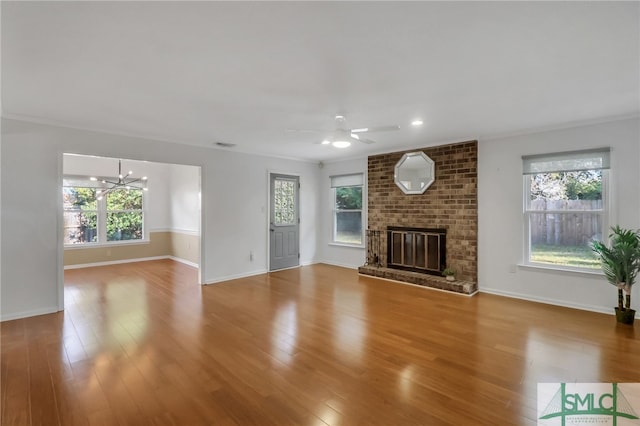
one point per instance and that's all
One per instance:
(80, 215)
(347, 211)
(91, 219)
(565, 207)
(124, 214)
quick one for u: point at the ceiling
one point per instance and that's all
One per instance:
(243, 72)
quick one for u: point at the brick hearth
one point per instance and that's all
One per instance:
(432, 281)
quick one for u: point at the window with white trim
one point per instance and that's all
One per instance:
(347, 209)
(565, 207)
(92, 219)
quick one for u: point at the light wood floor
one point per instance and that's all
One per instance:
(143, 344)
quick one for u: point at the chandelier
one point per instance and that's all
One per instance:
(124, 182)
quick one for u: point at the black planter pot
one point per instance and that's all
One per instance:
(625, 316)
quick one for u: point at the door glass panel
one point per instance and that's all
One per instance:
(284, 198)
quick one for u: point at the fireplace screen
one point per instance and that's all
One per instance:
(416, 249)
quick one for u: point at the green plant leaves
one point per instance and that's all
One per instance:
(620, 260)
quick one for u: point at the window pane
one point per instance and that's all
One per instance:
(348, 215)
(563, 238)
(124, 226)
(123, 199)
(349, 227)
(284, 202)
(349, 198)
(80, 227)
(566, 191)
(75, 198)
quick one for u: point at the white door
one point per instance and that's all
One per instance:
(284, 222)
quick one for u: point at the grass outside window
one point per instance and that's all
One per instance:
(574, 256)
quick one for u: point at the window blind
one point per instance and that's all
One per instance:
(571, 161)
(347, 180)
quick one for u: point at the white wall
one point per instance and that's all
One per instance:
(234, 207)
(158, 198)
(500, 201)
(350, 257)
(185, 199)
(240, 201)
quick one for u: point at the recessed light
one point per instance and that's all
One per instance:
(94, 179)
(341, 144)
(325, 142)
(417, 122)
(364, 129)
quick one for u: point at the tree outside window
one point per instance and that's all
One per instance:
(80, 215)
(124, 215)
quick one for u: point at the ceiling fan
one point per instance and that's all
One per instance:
(342, 136)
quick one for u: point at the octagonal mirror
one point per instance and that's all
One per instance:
(414, 173)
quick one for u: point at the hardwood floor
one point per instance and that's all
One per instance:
(144, 344)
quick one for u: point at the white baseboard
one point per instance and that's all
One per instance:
(265, 271)
(235, 276)
(115, 262)
(547, 301)
(186, 262)
(26, 314)
(342, 265)
(176, 231)
(139, 259)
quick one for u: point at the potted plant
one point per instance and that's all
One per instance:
(620, 264)
(449, 274)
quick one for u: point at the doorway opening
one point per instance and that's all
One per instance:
(121, 211)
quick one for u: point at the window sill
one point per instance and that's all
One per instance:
(102, 245)
(544, 267)
(358, 246)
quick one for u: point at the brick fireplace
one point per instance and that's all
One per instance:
(448, 205)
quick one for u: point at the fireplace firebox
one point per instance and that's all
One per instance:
(417, 249)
